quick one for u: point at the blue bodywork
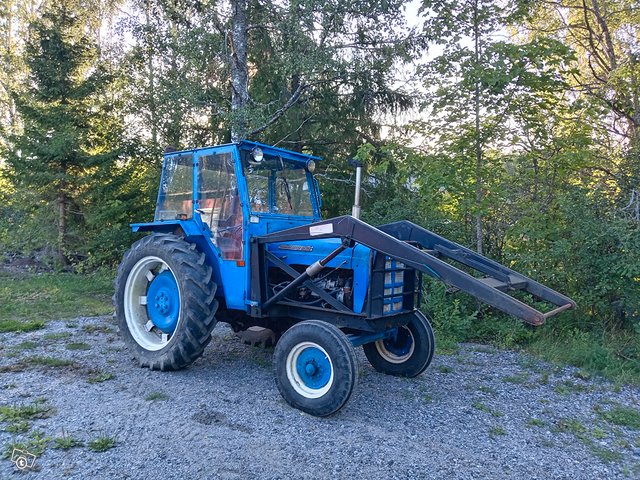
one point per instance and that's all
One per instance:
(233, 276)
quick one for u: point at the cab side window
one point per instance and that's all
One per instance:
(219, 203)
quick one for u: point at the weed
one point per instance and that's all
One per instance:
(598, 433)
(484, 349)
(66, 442)
(78, 346)
(12, 325)
(604, 454)
(582, 375)
(57, 336)
(568, 386)
(519, 379)
(427, 398)
(620, 415)
(25, 346)
(23, 413)
(71, 324)
(445, 369)
(102, 443)
(544, 378)
(571, 425)
(156, 396)
(36, 444)
(99, 377)
(96, 329)
(481, 406)
(48, 362)
(496, 431)
(487, 390)
(535, 422)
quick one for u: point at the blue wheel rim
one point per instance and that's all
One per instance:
(401, 345)
(163, 302)
(313, 368)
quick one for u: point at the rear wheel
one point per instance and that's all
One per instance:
(315, 367)
(165, 302)
(406, 355)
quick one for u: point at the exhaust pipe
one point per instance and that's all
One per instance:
(355, 210)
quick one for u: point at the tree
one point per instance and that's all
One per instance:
(59, 145)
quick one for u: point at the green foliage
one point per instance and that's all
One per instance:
(102, 443)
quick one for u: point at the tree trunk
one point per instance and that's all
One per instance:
(478, 142)
(151, 80)
(239, 70)
(62, 228)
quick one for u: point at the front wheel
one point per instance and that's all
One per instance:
(315, 367)
(406, 355)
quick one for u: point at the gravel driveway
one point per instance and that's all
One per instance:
(481, 413)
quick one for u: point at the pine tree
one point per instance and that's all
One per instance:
(58, 148)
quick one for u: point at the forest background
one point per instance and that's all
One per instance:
(510, 126)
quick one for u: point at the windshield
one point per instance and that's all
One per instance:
(278, 186)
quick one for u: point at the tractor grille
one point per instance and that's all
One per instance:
(393, 286)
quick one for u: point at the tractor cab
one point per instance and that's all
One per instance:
(219, 197)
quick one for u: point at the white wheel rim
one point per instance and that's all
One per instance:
(135, 297)
(392, 357)
(294, 377)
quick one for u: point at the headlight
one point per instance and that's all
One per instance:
(311, 165)
(257, 155)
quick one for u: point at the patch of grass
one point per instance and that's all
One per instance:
(25, 346)
(18, 416)
(52, 296)
(598, 433)
(481, 406)
(17, 326)
(487, 390)
(621, 415)
(544, 378)
(484, 408)
(497, 430)
(484, 349)
(153, 396)
(89, 328)
(48, 362)
(77, 346)
(518, 379)
(535, 422)
(604, 454)
(99, 377)
(102, 443)
(568, 386)
(583, 375)
(571, 425)
(612, 355)
(66, 442)
(445, 369)
(427, 398)
(35, 444)
(57, 336)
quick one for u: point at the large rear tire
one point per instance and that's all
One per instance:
(407, 355)
(165, 302)
(316, 367)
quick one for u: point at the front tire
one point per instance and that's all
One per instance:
(409, 354)
(315, 367)
(165, 302)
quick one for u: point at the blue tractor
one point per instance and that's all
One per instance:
(238, 237)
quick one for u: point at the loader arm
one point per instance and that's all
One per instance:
(420, 249)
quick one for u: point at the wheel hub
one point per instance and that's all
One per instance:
(314, 368)
(163, 305)
(401, 344)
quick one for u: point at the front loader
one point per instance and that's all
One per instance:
(238, 238)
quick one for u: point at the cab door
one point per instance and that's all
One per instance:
(219, 205)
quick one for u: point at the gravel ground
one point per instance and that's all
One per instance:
(481, 413)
